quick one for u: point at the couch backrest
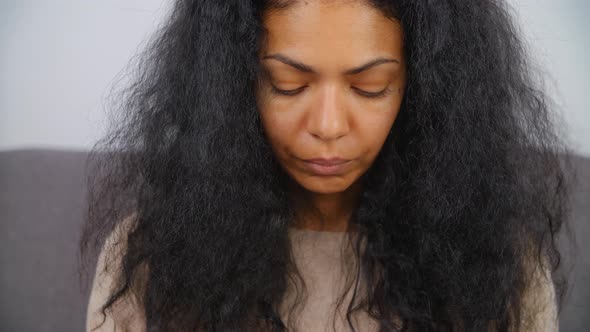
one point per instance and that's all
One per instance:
(42, 198)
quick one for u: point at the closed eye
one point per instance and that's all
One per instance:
(286, 92)
(379, 94)
(363, 93)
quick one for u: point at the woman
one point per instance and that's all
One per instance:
(330, 165)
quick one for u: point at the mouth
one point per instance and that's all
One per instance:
(321, 166)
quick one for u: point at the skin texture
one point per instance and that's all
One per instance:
(328, 115)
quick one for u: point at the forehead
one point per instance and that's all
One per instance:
(348, 29)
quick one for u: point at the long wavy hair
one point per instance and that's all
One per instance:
(468, 192)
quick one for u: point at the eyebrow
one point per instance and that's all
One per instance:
(308, 69)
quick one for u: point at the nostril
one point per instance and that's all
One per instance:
(328, 127)
(328, 137)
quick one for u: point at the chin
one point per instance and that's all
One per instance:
(325, 184)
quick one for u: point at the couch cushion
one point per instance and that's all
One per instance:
(41, 204)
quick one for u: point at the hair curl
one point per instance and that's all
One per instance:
(469, 186)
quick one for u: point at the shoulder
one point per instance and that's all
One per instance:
(539, 300)
(124, 312)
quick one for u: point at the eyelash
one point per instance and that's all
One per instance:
(363, 93)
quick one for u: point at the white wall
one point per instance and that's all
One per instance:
(59, 57)
(557, 33)
(57, 61)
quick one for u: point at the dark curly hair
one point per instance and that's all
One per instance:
(468, 192)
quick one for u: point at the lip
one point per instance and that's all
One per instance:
(323, 166)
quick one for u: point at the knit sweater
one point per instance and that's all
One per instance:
(323, 259)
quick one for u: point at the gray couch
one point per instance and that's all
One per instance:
(42, 198)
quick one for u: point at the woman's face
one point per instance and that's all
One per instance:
(335, 77)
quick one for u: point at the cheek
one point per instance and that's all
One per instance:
(372, 129)
(278, 129)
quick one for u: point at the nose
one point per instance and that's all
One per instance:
(328, 120)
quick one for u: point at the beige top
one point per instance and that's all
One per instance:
(325, 261)
(322, 265)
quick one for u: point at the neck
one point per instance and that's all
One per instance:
(325, 212)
